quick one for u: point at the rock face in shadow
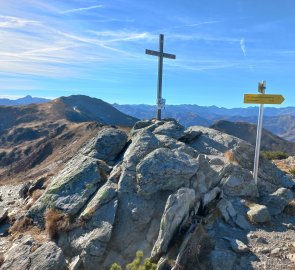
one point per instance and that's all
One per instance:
(164, 190)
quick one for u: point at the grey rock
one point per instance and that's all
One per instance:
(38, 184)
(215, 193)
(104, 195)
(23, 191)
(190, 135)
(275, 251)
(212, 142)
(48, 257)
(137, 225)
(238, 246)
(176, 209)
(171, 129)
(75, 263)
(277, 201)
(142, 144)
(108, 143)
(238, 182)
(206, 177)
(20, 256)
(164, 169)
(17, 257)
(261, 240)
(3, 214)
(145, 125)
(242, 222)
(70, 189)
(258, 214)
(227, 210)
(142, 124)
(91, 241)
(222, 260)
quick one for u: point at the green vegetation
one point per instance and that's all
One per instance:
(116, 266)
(292, 171)
(270, 155)
(137, 264)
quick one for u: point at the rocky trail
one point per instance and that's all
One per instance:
(185, 197)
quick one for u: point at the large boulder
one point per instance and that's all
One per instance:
(88, 243)
(108, 143)
(48, 257)
(164, 169)
(168, 142)
(277, 201)
(237, 181)
(24, 255)
(103, 196)
(171, 129)
(207, 175)
(177, 208)
(70, 189)
(142, 144)
(212, 142)
(258, 213)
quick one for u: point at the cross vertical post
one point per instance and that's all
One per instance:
(160, 54)
(160, 75)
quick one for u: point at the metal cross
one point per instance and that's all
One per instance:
(161, 55)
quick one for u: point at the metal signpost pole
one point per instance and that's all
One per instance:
(261, 99)
(261, 89)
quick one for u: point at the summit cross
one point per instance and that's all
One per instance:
(161, 55)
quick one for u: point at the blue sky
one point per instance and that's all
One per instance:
(224, 48)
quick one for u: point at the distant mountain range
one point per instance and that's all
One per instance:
(22, 101)
(280, 121)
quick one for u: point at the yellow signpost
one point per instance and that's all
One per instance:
(260, 99)
(263, 99)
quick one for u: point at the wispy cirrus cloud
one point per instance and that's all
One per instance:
(14, 22)
(74, 10)
(243, 46)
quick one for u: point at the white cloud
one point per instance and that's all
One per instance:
(80, 9)
(243, 46)
(14, 22)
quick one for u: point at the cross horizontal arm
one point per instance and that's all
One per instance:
(165, 55)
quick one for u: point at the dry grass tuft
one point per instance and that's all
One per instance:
(21, 225)
(230, 156)
(56, 222)
(1, 258)
(37, 194)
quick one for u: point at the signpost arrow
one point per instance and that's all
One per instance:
(263, 99)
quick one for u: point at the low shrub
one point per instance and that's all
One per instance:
(56, 222)
(270, 155)
(116, 266)
(137, 264)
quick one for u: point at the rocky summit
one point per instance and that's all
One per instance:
(186, 198)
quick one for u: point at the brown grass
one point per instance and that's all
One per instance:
(21, 225)
(1, 259)
(230, 156)
(56, 222)
(37, 194)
